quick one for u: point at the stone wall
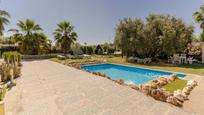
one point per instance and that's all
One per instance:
(46, 56)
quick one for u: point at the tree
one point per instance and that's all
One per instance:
(4, 20)
(90, 50)
(30, 38)
(202, 36)
(65, 35)
(98, 50)
(199, 18)
(157, 36)
(105, 47)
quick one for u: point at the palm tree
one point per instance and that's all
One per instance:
(3, 20)
(29, 37)
(65, 35)
(29, 27)
(199, 16)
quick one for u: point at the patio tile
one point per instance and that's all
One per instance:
(49, 88)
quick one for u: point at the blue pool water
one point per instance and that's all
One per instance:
(129, 74)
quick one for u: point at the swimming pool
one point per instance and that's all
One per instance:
(128, 74)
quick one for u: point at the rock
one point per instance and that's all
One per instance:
(145, 89)
(108, 77)
(95, 73)
(77, 67)
(162, 83)
(154, 85)
(120, 81)
(155, 81)
(102, 75)
(154, 93)
(186, 90)
(169, 80)
(192, 83)
(159, 94)
(134, 87)
(180, 95)
(163, 96)
(173, 100)
(173, 77)
(162, 79)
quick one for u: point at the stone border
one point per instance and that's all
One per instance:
(153, 88)
(78, 65)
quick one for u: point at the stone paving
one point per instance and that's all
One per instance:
(49, 88)
(196, 102)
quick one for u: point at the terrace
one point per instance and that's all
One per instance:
(68, 89)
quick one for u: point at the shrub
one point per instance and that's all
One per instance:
(12, 57)
(10, 69)
(2, 92)
(16, 71)
(6, 72)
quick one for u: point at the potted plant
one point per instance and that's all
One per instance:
(2, 95)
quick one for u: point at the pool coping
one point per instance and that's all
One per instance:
(186, 74)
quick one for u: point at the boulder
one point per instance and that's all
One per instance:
(153, 93)
(145, 89)
(162, 79)
(173, 100)
(102, 75)
(159, 94)
(173, 77)
(155, 81)
(133, 87)
(163, 96)
(95, 73)
(186, 90)
(192, 83)
(180, 95)
(162, 83)
(120, 81)
(169, 80)
(108, 77)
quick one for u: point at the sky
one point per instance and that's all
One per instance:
(94, 20)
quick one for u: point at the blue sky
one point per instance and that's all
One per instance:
(95, 20)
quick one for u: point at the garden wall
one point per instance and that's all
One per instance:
(46, 56)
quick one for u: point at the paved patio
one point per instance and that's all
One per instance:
(196, 103)
(49, 88)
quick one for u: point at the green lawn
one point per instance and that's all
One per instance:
(177, 84)
(191, 69)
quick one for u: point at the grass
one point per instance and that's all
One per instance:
(55, 60)
(190, 69)
(177, 84)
